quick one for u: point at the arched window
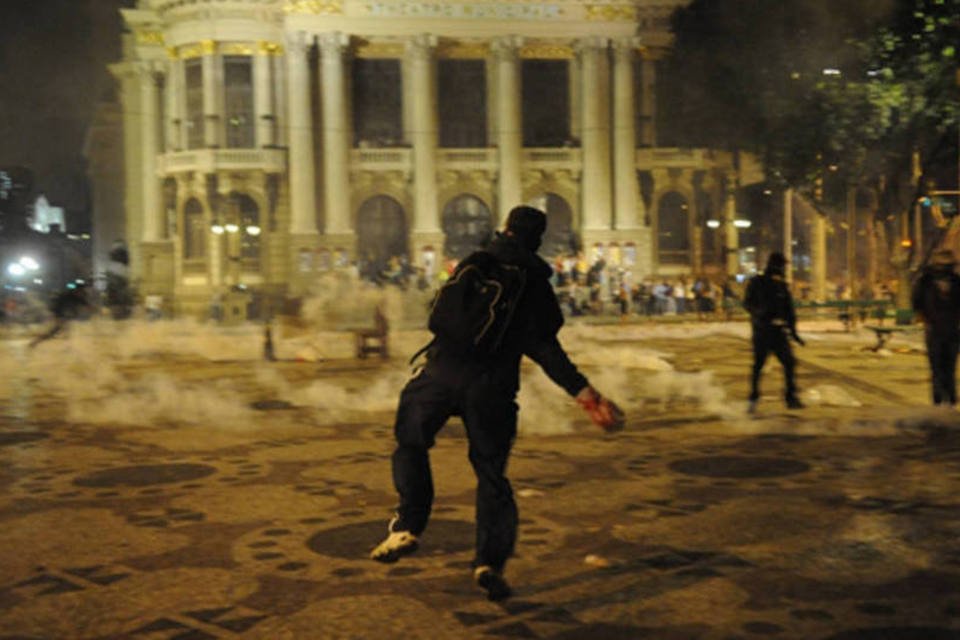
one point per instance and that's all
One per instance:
(673, 229)
(194, 231)
(381, 233)
(467, 225)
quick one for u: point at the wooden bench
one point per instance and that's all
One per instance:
(373, 339)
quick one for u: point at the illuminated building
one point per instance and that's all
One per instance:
(310, 132)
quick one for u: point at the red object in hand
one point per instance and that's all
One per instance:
(604, 413)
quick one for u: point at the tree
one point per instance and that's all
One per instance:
(809, 84)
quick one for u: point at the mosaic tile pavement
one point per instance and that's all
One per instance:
(838, 523)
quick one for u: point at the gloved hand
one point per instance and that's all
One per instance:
(604, 413)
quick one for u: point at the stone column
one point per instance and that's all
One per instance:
(627, 204)
(595, 135)
(212, 113)
(648, 103)
(509, 124)
(263, 96)
(303, 206)
(423, 83)
(153, 230)
(174, 117)
(336, 133)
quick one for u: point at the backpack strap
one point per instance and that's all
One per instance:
(422, 350)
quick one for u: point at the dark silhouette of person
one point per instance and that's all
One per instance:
(936, 299)
(69, 304)
(774, 322)
(482, 391)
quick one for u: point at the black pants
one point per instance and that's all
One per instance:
(489, 414)
(942, 353)
(767, 339)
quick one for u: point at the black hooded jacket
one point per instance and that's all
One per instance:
(769, 302)
(533, 328)
(936, 297)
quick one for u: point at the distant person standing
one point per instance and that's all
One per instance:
(774, 322)
(936, 299)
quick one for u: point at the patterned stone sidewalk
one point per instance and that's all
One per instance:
(836, 522)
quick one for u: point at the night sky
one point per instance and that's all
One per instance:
(53, 57)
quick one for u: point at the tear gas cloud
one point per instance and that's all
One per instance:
(103, 371)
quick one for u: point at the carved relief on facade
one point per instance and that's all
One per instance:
(451, 184)
(368, 184)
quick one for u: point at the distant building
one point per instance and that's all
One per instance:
(46, 217)
(262, 138)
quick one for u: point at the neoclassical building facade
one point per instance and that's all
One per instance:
(268, 140)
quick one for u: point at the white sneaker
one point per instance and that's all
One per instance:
(396, 545)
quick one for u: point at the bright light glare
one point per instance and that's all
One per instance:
(831, 72)
(231, 227)
(15, 269)
(742, 224)
(29, 263)
(713, 224)
(253, 230)
(217, 229)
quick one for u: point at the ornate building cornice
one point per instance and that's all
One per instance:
(149, 37)
(380, 49)
(611, 12)
(546, 50)
(314, 7)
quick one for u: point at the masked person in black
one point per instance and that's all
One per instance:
(774, 322)
(482, 391)
(936, 298)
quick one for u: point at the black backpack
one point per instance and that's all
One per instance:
(472, 311)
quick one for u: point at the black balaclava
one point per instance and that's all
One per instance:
(527, 225)
(776, 264)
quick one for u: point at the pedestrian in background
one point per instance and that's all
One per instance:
(774, 323)
(936, 300)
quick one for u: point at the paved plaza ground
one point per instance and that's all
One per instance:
(163, 481)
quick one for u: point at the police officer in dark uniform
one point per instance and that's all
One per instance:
(936, 298)
(482, 391)
(774, 323)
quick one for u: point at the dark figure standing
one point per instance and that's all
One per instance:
(68, 305)
(936, 298)
(774, 322)
(482, 391)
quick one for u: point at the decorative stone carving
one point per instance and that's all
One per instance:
(546, 51)
(421, 47)
(506, 48)
(315, 7)
(611, 12)
(333, 43)
(297, 44)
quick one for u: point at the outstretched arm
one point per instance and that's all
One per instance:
(554, 361)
